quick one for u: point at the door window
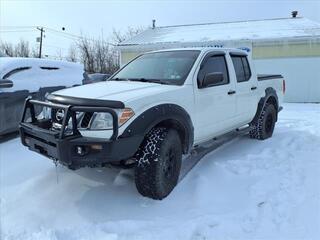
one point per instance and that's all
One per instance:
(241, 67)
(214, 64)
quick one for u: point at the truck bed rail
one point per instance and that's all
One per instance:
(262, 77)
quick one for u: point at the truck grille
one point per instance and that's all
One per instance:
(51, 117)
(54, 114)
(57, 115)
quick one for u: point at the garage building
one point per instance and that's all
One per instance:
(288, 46)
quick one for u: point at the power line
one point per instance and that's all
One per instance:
(16, 31)
(70, 36)
(62, 33)
(18, 26)
(36, 27)
(77, 36)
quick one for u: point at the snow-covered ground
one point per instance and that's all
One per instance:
(247, 189)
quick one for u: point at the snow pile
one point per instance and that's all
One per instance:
(247, 189)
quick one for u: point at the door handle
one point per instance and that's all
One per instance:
(253, 88)
(231, 92)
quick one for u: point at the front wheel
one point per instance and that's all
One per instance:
(263, 127)
(158, 163)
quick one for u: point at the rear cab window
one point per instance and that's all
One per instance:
(241, 67)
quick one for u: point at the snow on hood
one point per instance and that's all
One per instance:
(115, 90)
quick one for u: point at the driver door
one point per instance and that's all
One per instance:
(216, 104)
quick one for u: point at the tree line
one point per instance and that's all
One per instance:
(98, 56)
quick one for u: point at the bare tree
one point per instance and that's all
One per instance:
(35, 52)
(87, 53)
(72, 54)
(7, 48)
(22, 49)
(119, 36)
(98, 56)
(113, 61)
(59, 55)
(101, 55)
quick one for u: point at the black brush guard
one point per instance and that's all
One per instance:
(63, 145)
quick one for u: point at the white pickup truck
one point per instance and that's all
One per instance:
(157, 108)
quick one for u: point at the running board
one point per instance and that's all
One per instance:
(189, 161)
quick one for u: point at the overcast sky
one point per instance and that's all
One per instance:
(97, 18)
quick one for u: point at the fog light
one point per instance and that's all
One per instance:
(80, 150)
(96, 147)
(27, 141)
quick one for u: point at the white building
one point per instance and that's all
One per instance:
(288, 46)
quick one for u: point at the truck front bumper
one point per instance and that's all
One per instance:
(74, 150)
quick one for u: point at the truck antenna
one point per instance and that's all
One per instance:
(294, 14)
(153, 23)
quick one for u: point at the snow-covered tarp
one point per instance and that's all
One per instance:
(33, 73)
(247, 189)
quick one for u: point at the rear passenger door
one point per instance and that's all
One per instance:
(215, 104)
(246, 88)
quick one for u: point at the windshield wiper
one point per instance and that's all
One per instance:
(119, 79)
(141, 80)
(149, 80)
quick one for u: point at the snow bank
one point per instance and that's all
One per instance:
(247, 189)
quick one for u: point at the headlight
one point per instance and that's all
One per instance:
(45, 113)
(101, 120)
(104, 120)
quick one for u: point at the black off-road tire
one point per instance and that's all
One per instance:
(263, 127)
(158, 163)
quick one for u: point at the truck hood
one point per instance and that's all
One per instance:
(116, 90)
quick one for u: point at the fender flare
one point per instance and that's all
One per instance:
(168, 115)
(269, 93)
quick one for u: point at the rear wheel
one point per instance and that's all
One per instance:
(158, 163)
(263, 127)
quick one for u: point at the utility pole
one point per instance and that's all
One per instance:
(41, 36)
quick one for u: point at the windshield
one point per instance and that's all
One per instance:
(169, 67)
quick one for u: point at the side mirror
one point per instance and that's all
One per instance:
(211, 79)
(5, 83)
